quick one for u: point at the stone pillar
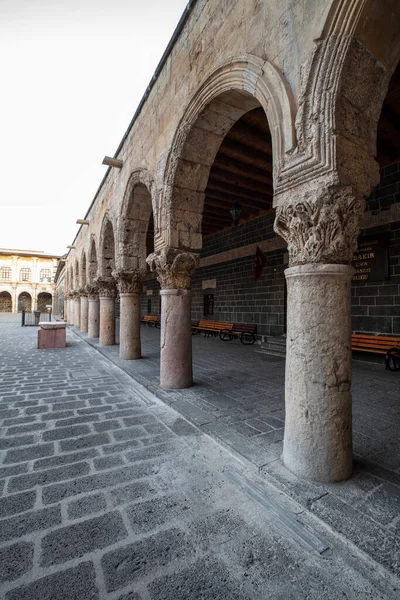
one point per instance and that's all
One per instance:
(84, 310)
(71, 304)
(174, 271)
(107, 294)
(321, 233)
(77, 310)
(93, 310)
(130, 286)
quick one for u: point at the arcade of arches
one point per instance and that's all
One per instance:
(293, 143)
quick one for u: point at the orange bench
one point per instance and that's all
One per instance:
(379, 344)
(151, 320)
(211, 327)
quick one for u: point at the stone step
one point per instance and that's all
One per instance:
(274, 345)
(271, 352)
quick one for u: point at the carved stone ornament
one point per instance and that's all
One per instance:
(174, 267)
(82, 292)
(92, 291)
(106, 287)
(129, 282)
(75, 294)
(322, 228)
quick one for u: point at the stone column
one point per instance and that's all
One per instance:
(84, 310)
(174, 271)
(71, 304)
(130, 286)
(107, 294)
(93, 310)
(321, 233)
(77, 310)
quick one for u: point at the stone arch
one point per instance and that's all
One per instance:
(5, 301)
(236, 87)
(138, 207)
(43, 300)
(344, 86)
(107, 248)
(24, 302)
(71, 280)
(83, 269)
(92, 262)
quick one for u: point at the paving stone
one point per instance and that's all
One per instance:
(76, 420)
(124, 565)
(139, 420)
(30, 453)
(133, 491)
(57, 492)
(65, 432)
(52, 416)
(15, 560)
(131, 433)
(14, 470)
(148, 515)
(97, 439)
(19, 421)
(21, 429)
(86, 506)
(76, 540)
(16, 527)
(108, 462)
(35, 410)
(65, 459)
(78, 583)
(17, 503)
(23, 482)
(192, 413)
(21, 440)
(106, 425)
(121, 446)
(383, 504)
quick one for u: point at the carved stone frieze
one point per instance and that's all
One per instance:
(82, 292)
(129, 282)
(92, 291)
(106, 286)
(321, 228)
(174, 267)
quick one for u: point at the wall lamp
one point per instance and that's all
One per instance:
(82, 222)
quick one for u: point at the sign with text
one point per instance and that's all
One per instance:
(371, 258)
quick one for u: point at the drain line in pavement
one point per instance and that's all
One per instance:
(291, 525)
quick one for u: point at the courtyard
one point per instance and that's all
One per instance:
(113, 488)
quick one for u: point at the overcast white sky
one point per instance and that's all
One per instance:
(72, 73)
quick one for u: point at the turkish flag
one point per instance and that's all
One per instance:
(261, 261)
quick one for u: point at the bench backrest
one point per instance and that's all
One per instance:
(151, 318)
(244, 328)
(378, 343)
(214, 325)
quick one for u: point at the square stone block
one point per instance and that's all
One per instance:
(51, 335)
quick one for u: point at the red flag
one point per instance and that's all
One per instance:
(260, 263)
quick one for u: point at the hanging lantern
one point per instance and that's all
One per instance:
(236, 211)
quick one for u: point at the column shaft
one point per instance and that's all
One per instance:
(107, 321)
(77, 312)
(71, 305)
(129, 342)
(176, 339)
(84, 314)
(93, 317)
(318, 435)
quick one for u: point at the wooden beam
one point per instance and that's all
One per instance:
(234, 166)
(227, 201)
(245, 183)
(241, 153)
(250, 136)
(236, 192)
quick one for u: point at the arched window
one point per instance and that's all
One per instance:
(25, 275)
(5, 274)
(45, 275)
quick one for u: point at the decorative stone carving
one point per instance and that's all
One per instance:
(129, 282)
(174, 267)
(106, 287)
(322, 229)
(82, 292)
(92, 291)
(74, 294)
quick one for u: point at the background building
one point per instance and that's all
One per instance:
(26, 280)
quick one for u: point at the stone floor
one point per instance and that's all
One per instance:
(107, 492)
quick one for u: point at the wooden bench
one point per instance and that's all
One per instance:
(211, 327)
(246, 333)
(379, 344)
(151, 320)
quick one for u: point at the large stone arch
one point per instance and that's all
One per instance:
(77, 281)
(107, 254)
(234, 88)
(5, 300)
(138, 205)
(24, 301)
(344, 85)
(44, 299)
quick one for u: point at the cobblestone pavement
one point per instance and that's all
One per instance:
(106, 492)
(239, 400)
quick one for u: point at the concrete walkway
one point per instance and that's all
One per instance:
(107, 492)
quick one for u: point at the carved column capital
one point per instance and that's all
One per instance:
(74, 294)
(106, 287)
(82, 292)
(129, 282)
(174, 267)
(321, 227)
(92, 291)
